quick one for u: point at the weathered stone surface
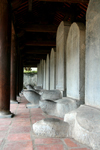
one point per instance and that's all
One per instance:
(37, 88)
(92, 82)
(53, 69)
(31, 96)
(51, 127)
(48, 107)
(29, 87)
(51, 95)
(59, 107)
(47, 73)
(75, 60)
(61, 37)
(30, 79)
(84, 125)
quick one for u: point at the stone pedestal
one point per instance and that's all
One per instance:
(32, 96)
(51, 127)
(84, 126)
(62, 33)
(47, 73)
(53, 69)
(5, 50)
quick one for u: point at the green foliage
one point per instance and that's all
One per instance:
(30, 72)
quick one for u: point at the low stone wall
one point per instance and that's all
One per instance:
(29, 79)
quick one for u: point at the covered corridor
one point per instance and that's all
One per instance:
(61, 39)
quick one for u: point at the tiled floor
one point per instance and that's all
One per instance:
(16, 133)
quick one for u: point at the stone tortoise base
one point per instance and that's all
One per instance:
(84, 125)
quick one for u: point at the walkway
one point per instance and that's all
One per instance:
(16, 133)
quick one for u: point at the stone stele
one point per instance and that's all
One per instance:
(53, 69)
(92, 79)
(61, 37)
(47, 73)
(75, 60)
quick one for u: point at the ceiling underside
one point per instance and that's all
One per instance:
(36, 23)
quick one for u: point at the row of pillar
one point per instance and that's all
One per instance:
(10, 62)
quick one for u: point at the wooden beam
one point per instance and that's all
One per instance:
(32, 59)
(41, 28)
(68, 1)
(38, 51)
(30, 65)
(34, 56)
(41, 43)
(28, 61)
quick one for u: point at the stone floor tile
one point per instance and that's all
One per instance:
(50, 147)
(19, 146)
(0, 142)
(13, 105)
(34, 121)
(21, 119)
(47, 141)
(19, 137)
(22, 113)
(37, 118)
(2, 135)
(80, 149)
(5, 122)
(3, 128)
(22, 116)
(22, 123)
(20, 129)
(70, 143)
